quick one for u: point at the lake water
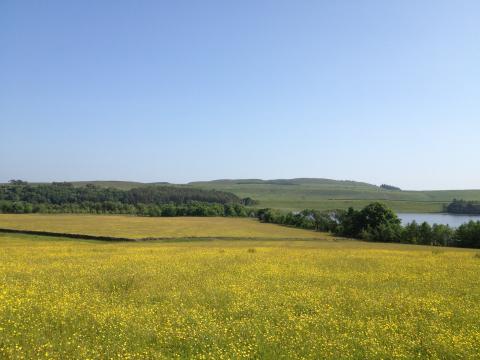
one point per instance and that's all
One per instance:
(445, 219)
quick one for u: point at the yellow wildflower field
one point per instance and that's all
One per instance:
(220, 299)
(136, 227)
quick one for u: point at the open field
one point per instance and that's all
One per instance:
(219, 299)
(134, 227)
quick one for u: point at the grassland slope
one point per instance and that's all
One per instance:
(324, 194)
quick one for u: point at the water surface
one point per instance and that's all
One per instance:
(439, 218)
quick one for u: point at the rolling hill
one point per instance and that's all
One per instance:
(322, 194)
(295, 194)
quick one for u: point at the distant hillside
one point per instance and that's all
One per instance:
(300, 193)
(296, 181)
(322, 194)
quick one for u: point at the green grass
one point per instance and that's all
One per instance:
(315, 299)
(324, 194)
(135, 227)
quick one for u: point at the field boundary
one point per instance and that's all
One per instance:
(67, 235)
(165, 239)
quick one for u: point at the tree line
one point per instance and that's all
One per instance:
(66, 193)
(463, 207)
(390, 187)
(192, 208)
(154, 200)
(376, 222)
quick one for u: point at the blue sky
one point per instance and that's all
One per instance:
(376, 91)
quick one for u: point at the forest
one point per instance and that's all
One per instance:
(155, 200)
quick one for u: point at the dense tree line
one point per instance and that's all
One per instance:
(66, 193)
(390, 187)
(20, 197)
(249, 201)
(110, 207)
(463, 207)
(376, 222)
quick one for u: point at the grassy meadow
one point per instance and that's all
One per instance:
(135, 227)
(219, 299)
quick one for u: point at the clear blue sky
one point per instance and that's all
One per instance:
(377, 91)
